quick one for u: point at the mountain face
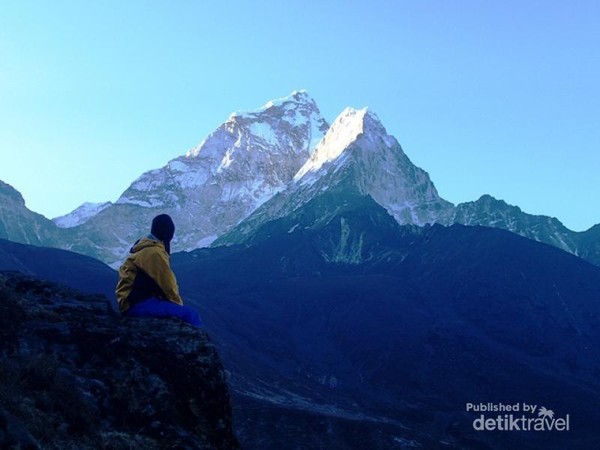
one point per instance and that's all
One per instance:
(73, 376)
(357, 151)
(210, 189)
(357, 154)
(19, 224)
(376, 335)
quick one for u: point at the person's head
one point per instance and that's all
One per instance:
(163, 229)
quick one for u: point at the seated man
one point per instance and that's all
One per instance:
(147, 286)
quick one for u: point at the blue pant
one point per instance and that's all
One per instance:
(154, 307)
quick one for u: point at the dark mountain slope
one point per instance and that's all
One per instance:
(339, 312)
(71, 269)
(589, 245)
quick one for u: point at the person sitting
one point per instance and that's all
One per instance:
(147, 286)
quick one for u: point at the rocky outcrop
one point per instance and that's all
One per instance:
(74, 376)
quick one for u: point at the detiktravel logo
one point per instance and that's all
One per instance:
(516, 417)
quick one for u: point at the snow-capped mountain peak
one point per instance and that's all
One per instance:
(296, 110)
(347, 128)
(266, 146)
(81, 214)
(358, 151)
(247, 160)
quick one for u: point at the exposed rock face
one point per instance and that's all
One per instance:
(357, 151)
(589, 245)
(19, 224)
(74, 377)
(490, 212)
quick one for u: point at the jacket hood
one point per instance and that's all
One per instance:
(146, 242)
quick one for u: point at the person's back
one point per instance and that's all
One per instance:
(147, 286)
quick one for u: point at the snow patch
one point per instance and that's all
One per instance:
(205, 242)
(150, 203)
(81, 214)
(226, 161)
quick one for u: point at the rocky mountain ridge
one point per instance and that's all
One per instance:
(262, 165)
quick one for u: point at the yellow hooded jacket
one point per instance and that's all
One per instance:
(146, 273)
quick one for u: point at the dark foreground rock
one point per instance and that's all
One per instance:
(74, 377)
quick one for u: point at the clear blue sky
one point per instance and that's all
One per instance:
(498, 97)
